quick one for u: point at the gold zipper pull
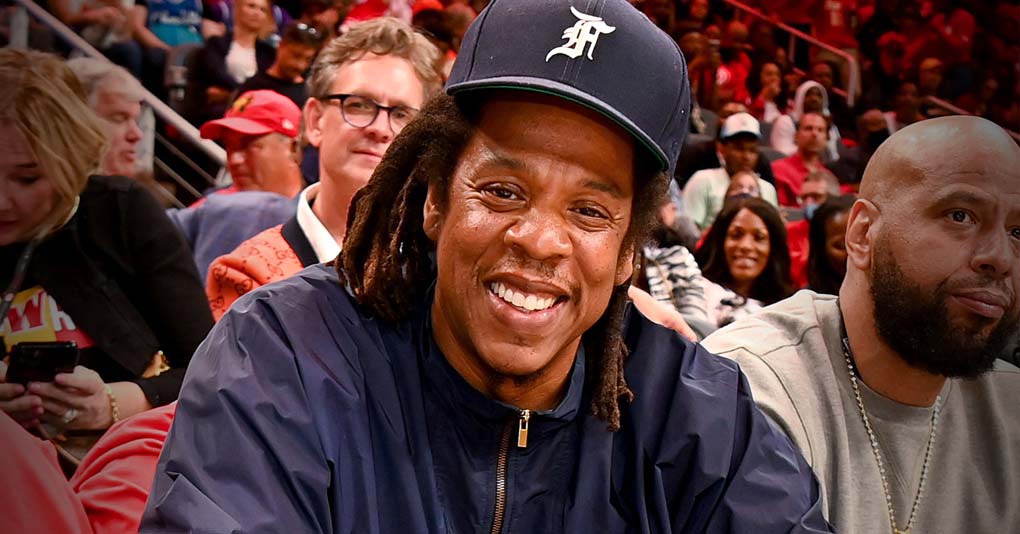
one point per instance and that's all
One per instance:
(522, 429)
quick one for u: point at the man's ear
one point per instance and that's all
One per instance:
(313, 121)
(431, 216)
(625, 266)
(860, 234)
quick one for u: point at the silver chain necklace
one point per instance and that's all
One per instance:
(877, 450)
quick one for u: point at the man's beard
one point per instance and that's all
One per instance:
(917, 325)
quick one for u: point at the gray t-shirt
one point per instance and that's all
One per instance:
(792, 357)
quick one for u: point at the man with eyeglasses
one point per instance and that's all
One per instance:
(364, 87)
(299, 43)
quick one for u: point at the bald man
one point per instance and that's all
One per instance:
(893, 391)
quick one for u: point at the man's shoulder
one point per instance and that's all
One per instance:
(269, 246)
(244, 209)
(706, 177)
(318, 284)
(664, 368)
(1000, 385)
(315, 319)
(262, 259)
(787, 163)
(776, 332)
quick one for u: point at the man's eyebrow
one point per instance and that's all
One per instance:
(604, 187)
(962, 197)
(29, 165)
(492, 158)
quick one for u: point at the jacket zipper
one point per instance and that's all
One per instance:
(502, 459)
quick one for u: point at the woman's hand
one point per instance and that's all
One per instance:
(660, 313)
(25, 409)
(82, 391)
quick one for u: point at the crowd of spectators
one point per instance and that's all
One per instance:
(306, 97)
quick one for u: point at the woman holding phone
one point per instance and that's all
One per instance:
(86, 259)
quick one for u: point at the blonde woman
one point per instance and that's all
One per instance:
(88, 259)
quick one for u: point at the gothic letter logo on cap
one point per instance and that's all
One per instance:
(585, 32)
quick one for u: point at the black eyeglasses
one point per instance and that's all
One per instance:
(360, 111)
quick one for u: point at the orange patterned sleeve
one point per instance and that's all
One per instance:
(263, 259)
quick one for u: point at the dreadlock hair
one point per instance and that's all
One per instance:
(385, 253)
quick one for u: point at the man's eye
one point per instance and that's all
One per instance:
(959, 216)
(402, 113)
(1015, 233)
(502, 193)
(592, 212)
(359, 106)
(27, 180)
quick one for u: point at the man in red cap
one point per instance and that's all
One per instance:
(260, 133)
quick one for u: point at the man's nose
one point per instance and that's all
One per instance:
(995, 255)
(541, 236)
(379, 129)
(134, 132)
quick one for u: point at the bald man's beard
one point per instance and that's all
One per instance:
(916, 323)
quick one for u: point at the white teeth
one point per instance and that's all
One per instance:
(527, 302)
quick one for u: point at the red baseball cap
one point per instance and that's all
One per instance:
(257, 113)
(426, 5)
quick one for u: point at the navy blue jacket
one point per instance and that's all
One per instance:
(300, 413)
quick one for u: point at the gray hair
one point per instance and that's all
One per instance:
(382, 36)
(98, 75)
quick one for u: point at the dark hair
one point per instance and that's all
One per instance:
(386, 261)
(299, 33)
(822, 278)
(773, 284)
(754, 82)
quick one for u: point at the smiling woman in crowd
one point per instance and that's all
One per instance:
(88, 259)
(745, 258)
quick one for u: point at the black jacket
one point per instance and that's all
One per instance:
(124, 274)
(302, 413)
(209, 69)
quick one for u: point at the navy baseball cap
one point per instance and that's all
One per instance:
(603, 54)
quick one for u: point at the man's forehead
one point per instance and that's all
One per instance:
(110, 97)
(355, 76)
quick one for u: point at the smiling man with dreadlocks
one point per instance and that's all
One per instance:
(469, 365)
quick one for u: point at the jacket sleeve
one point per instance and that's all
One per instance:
(771, 488)
(243, 454)
(169, 292)
(114, 478)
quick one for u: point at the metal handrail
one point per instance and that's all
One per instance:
(855, 70)
(163, 111)
(956, 110)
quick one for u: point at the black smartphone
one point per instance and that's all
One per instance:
(32, 361)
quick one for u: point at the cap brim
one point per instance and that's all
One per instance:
(541, 85)
(214, 129)
(748, 133)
